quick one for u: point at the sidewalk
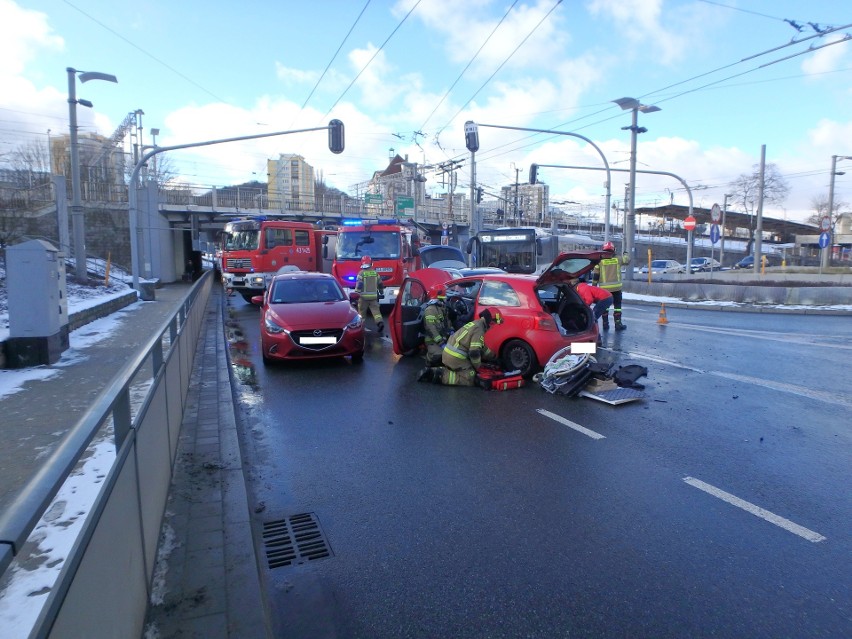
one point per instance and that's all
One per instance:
(206, 582)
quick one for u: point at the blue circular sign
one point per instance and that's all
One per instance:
(824, 239)
(714, 233)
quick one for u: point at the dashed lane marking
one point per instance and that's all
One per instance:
(757, 511)
(570, 424)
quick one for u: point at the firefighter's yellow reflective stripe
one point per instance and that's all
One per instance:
(451, 377)
(455, 352)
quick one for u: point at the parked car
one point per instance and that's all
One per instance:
(664, 266)
(306, 315)
(530, 333)
(704, 264)
(772, 259)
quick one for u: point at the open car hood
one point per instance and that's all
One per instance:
(570, 265)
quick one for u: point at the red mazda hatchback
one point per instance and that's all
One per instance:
(541, 315)
(308, 316)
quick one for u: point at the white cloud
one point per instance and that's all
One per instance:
(829, 58)
(300, 76)
(23, 33)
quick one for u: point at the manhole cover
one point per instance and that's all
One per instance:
(294, 540)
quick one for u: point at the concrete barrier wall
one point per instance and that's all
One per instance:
(745, 293)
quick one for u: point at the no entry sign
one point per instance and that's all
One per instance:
(689, 223)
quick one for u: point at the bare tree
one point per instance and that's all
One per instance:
(745, 190)
(819, 204)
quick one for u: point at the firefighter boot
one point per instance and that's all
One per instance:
(619, 325)
(605, 321)
(425, 375)
(437, 374)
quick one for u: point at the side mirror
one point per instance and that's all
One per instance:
(257, 300)
(354, 297)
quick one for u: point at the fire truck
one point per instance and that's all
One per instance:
(393, 246)
(255, 249)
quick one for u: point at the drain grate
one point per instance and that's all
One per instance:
(294, 540)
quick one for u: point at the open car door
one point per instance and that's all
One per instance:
(406, 318)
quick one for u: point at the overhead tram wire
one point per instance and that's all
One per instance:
(475, 55)
(672, 97)
(502, 64)
(330, 62)
(153, 57)
(364, 68)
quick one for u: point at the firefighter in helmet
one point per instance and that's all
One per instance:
(607, 275)
(369, 286)
(436, 326)
(464, 353)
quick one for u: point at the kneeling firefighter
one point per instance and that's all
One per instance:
(464, 353)
(436, 326)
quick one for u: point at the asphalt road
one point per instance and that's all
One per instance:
(718, 506)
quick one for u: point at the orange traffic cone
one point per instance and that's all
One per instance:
(662, 319)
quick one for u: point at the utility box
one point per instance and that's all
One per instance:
(38, 304)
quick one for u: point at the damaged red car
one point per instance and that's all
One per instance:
(541, 315)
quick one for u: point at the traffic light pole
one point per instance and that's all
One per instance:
(336, 145)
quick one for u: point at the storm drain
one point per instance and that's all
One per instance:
(294, 540)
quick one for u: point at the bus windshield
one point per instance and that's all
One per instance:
(513, 256)
(380, 245)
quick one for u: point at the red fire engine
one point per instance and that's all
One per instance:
(392, 245)
(254, 249)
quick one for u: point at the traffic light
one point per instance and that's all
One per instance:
(335, 136)
(479, 192)
(533, 173)
(471, 136)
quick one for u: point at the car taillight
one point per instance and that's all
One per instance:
(546, 323)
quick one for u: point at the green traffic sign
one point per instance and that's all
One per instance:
(373, 198)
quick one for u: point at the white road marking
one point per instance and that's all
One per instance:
(570, 424)
(772, 518)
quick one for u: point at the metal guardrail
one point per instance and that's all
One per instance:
(124, 522)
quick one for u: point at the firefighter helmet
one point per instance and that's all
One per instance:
(608, 246)
(491, 316)
(438, 293)
(366, 261)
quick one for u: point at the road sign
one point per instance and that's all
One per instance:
(404, 205)
(689, 223)
(824, 239)
(714, 234)
(373, 198)
(716, 214)
(825, 224)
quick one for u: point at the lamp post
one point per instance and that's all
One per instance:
(335, 144)
(154, 133)
(77, 220)
(632, 104)
(825, 259)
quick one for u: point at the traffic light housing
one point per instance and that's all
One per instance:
(471, 136)
(533, 173)
(336, 138)
(479, 192)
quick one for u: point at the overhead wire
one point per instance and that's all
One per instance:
(364, 68)
(475, 55)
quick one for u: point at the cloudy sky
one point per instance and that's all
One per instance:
(728, 76)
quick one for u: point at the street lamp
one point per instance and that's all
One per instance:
(154, 134)
(77, 220)
(826, 252)
(632, 104)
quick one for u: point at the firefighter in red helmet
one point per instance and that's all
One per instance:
(607, 275)
(370, 288)
(464, 353)
(436, 326)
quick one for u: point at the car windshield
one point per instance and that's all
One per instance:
(241, 240)
(305, 291)
(659, 264)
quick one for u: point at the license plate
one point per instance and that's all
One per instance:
(317, 340)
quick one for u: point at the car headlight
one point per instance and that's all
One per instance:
(271, 326)
(257, 280)
(354, 323)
